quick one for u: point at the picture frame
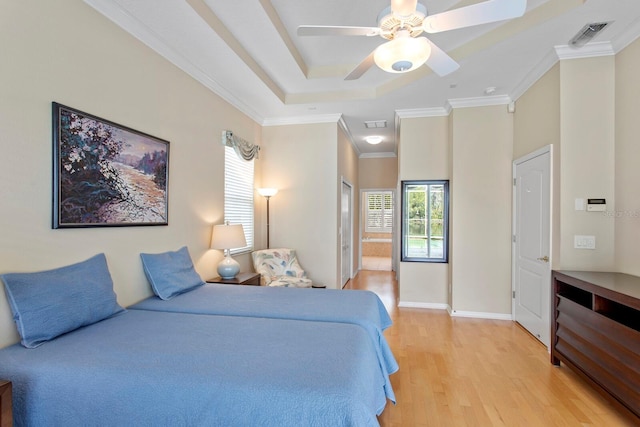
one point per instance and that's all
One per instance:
(106, 174)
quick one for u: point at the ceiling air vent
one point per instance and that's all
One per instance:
(587, 33)
(375, 124)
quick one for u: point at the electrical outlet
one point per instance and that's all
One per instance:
(584, 242)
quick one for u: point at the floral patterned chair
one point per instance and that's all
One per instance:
(280, 267)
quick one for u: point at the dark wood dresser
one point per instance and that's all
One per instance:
(595, 330)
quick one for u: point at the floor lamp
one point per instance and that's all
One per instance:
(267, 193)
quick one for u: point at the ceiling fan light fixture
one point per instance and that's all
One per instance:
(402, 54)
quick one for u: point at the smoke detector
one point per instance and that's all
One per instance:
(587, 33)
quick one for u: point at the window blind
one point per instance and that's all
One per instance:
(238, 195)
(379, 212)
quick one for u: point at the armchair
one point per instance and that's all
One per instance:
(280, 267)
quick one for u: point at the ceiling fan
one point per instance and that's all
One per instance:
(402, 24)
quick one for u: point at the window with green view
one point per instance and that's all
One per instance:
(425, 213)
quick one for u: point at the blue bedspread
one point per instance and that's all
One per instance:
(362, 308)
(149, 368)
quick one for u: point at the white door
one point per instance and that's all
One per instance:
(531, 248)
(346, 232)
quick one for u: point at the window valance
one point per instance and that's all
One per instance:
(244, 149)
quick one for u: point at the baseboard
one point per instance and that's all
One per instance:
(455, 313)
(429, 305)
(479, 314)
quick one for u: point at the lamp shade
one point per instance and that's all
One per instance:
(228, 236)
(267, 192)
(402, 54)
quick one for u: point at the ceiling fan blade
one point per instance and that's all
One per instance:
(480, 13)
(403, 8)
(362, 67)
(441, 63)
(322, 30)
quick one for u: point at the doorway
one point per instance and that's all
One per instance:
(531, 243)
(376, 244)
(346, 232)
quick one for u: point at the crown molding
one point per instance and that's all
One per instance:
(302, 120)
(483, 101)
(377, 155)
(345, 129)
(111, 10)
(415, 113)
(590, 50)
(628, 36)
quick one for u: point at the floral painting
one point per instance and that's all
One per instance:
(106, 174)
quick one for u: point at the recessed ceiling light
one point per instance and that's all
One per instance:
(373, 140)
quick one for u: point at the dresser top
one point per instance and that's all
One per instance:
(618, 282)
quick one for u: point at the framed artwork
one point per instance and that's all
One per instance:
(105, 174)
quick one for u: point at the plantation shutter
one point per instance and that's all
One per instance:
(387, 214)
(374, 212)
(238, 195)
(379, 217)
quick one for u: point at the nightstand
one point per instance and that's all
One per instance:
(241, 279)
(6, 415)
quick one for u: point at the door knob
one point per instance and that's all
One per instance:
(544, 258)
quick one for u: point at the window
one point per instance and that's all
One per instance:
(238, 195)
(425, 221)
(379, 211)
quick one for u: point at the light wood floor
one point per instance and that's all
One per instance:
(473, 372)
(376, 263)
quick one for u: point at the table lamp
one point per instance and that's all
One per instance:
(226, 237)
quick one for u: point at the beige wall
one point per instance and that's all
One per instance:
(423, 154)
(64, 51)
(537, 115)
(301, 161)
(626, 213)
(378, 173)
(481, 199)
(587, 156)
(473, 148)
(536, 125)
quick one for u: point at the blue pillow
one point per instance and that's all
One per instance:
(171, 273)
(47, 304)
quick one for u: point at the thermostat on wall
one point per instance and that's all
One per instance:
(596, 205)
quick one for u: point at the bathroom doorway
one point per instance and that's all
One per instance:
(377, 229)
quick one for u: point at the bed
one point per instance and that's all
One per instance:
(362, 308)
(84, 360)
(178, 288)
(157, 368)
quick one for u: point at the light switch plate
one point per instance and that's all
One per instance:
(579, 204)
(584, 242)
